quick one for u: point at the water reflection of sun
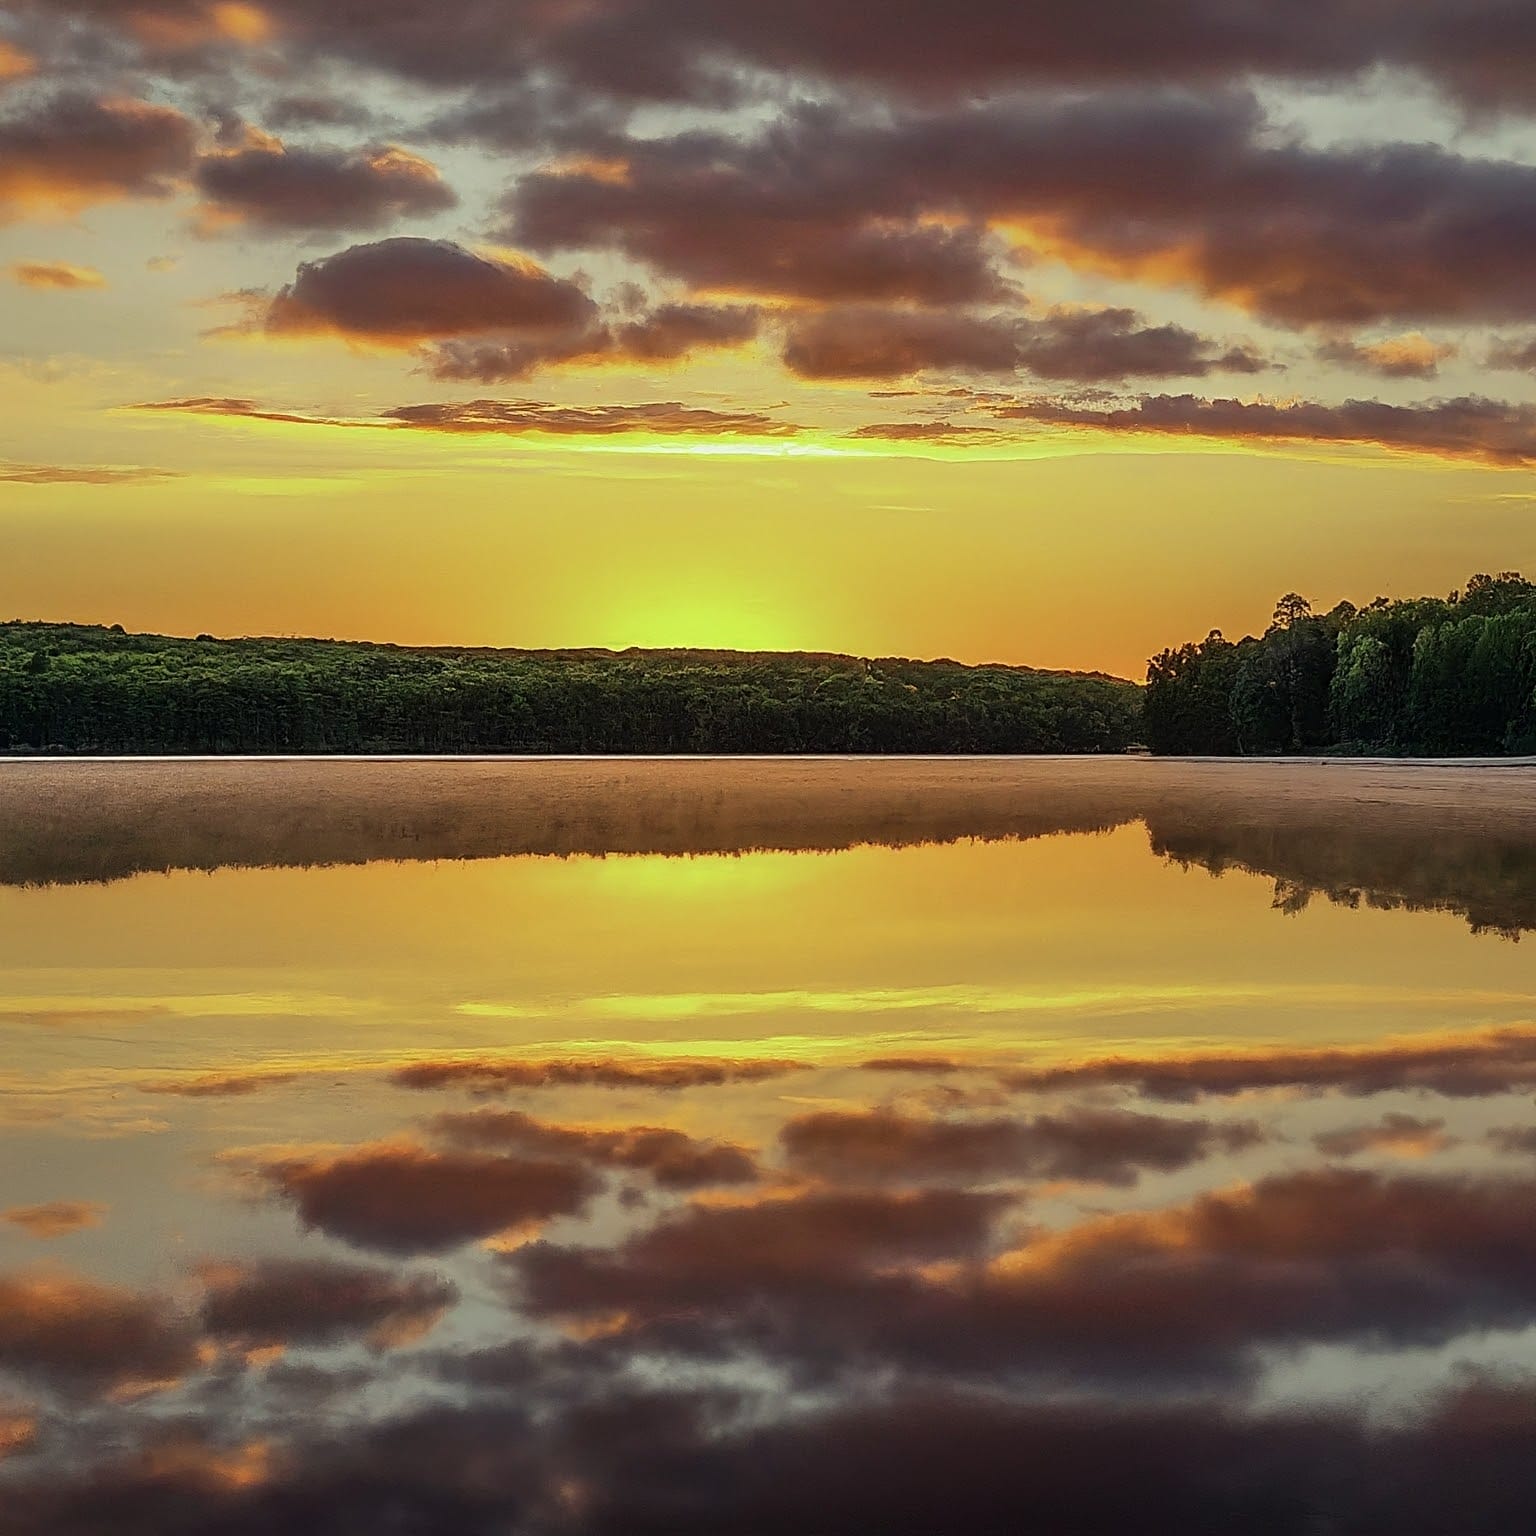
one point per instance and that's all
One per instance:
(698, 877)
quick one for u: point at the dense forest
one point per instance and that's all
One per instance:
(1441, 677)
(81, 688)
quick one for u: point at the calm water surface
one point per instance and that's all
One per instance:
(767, 1148)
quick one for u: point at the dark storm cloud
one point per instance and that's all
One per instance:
(724, 215)
(1299, 235)
(1484, 52)
(1482, 1065)
(403, 1199)
(1097, 1146)
(404, 291)
(672, 1158)
(73, 150)
(279, 1302)
(913, 1461)
(663, 47)
(1486, 431)
(266, 186)
(921, 1461)
(492, 1076)
(1087, 346)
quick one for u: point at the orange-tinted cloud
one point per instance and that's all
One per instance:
(282, 1302)
(18, 1432)
(1396, 1135)
(1413, 356)
(513, 418)
(58, 1218)
(231, 1085)
(491, 1076)
(721, 230)
(228, 405)
(1184, 1295)
(1477, 1065)
(73, 1334)
(715, 1258)
(71, 151)
(405, 291)
(174, 25)
(404, 1199)
(1086, 345)
(516, 417)
(56, 274)
(78, 474)
(669, 333)
(267, 187)
(923, 432)
(14, 63)
(165, 30)
(671, 1157)
(1485, 431)
(1099, 1146)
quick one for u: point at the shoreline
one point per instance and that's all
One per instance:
(508, 758)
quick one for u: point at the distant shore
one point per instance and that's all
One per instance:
(87, 689)
(763, 757)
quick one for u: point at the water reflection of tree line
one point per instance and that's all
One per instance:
(1490, 881)
(1432, 839)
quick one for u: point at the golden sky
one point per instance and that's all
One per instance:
(638, 324)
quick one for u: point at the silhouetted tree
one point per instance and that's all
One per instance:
(1430, 675)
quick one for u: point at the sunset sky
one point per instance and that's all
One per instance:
(1000, 331)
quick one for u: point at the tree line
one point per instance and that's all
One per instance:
(90, 689)
(1441, 677)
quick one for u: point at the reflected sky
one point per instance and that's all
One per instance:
(965, 1130)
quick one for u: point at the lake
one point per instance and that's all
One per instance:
(767, 1146)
